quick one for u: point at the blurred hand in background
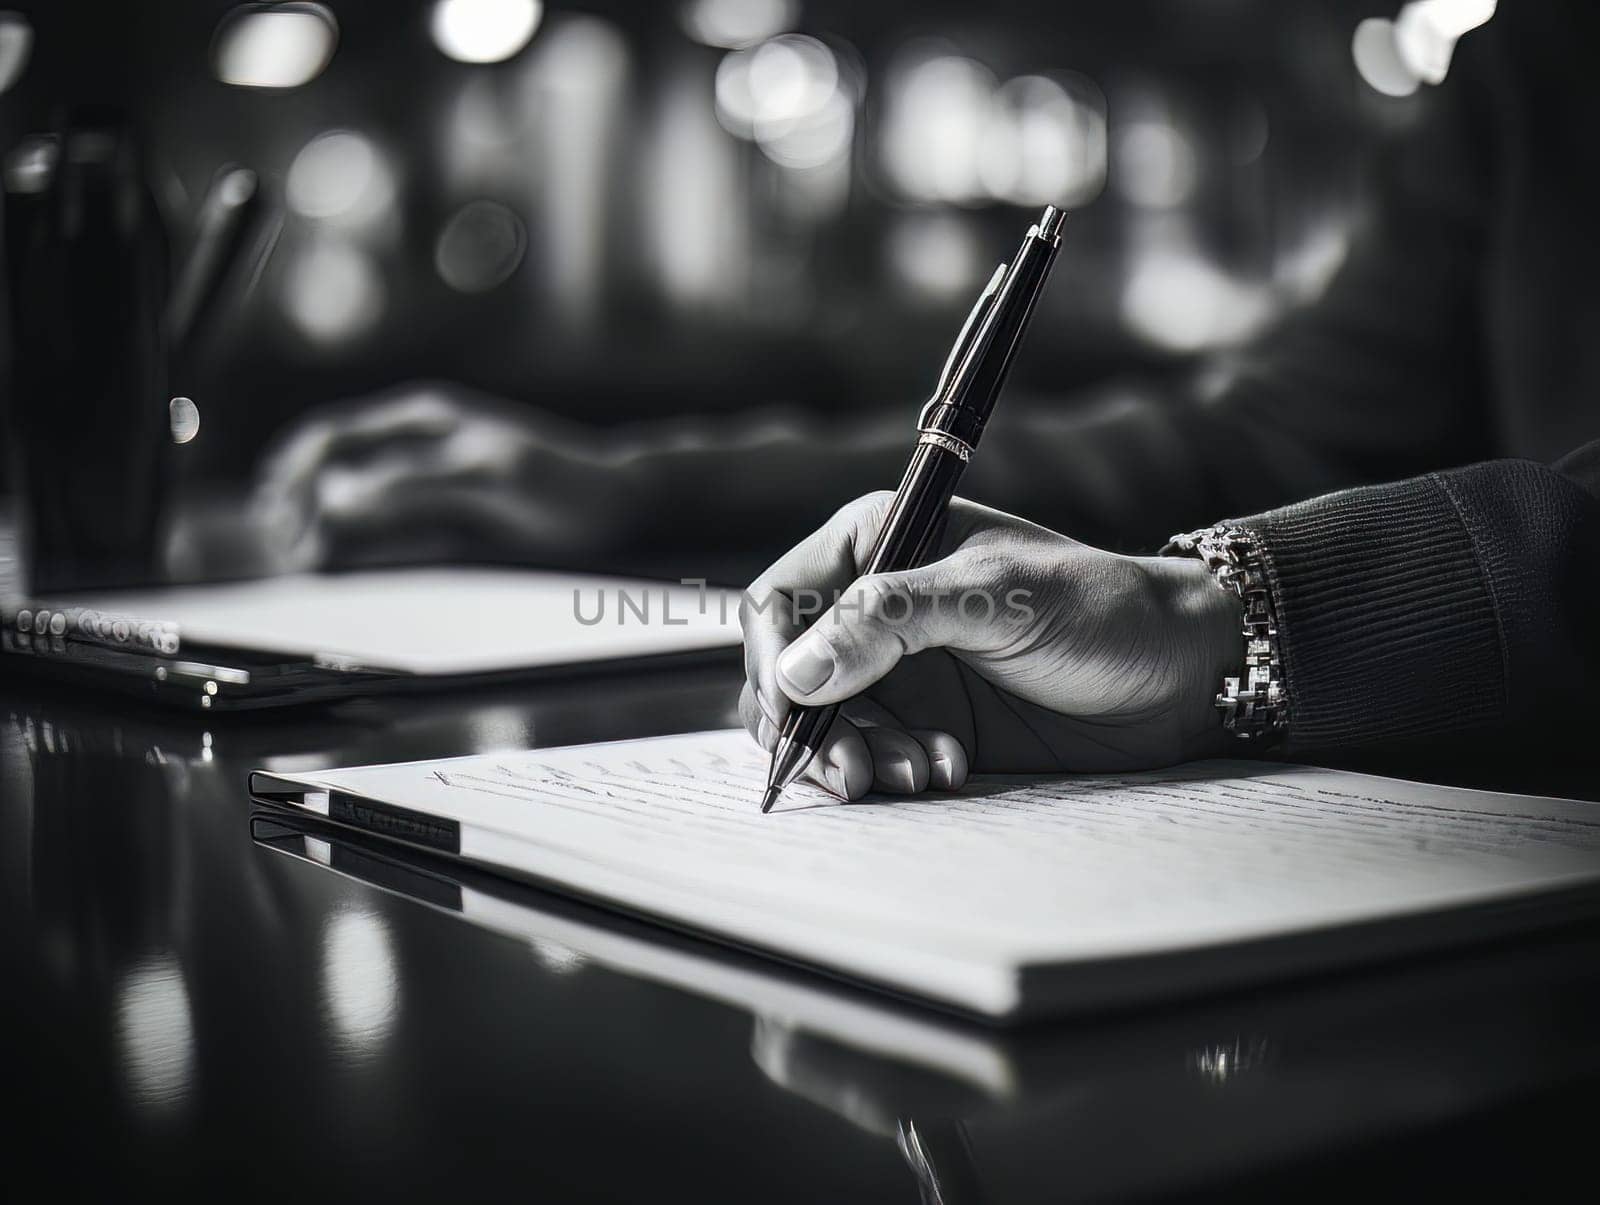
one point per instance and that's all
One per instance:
(435, 471)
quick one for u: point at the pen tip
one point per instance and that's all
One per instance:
(770, 798)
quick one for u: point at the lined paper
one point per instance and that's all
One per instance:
(1010, 872)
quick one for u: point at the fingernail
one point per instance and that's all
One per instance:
(900, 771)
(939, 777)
(826, 775)
(806, 664)
(835, 778)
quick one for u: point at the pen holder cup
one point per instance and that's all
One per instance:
(85, 405)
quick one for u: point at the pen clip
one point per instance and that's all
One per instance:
(969, 331)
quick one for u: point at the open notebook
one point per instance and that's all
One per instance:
(1017, 896)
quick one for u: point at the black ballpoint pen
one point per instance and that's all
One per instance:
(948, 430)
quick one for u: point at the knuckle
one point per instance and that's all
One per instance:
(980, 567)
(425, 406)
(867, 522)
(341, 495)
(885, 601)
(869, 508)
(753, 605)
(473, 451)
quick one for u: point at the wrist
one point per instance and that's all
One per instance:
(1209, 623)
(1255, 702)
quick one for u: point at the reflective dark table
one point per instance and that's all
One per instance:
(186, 1009)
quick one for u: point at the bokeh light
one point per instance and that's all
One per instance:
(183, 417)
(31, 164)
(584, 56)
(16, 42)
(735, 102)
(952, 133)
(576, 89)
(1176, 299)
(1156, 166)
(935, 255)
(789, 96)
(791, 77)
(340, 177)
(937, 111)
(735, 24)
(332, 291)
(274, 45)
(693, 224)
(1377, 57)
(237, 186)
(484, 31)
(480, 246)
(1042, 146)
(815, 140)
(783, 80)
(1426, 32)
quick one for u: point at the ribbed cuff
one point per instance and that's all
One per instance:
(1385, 622)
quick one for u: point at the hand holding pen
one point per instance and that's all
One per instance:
(963, 639)
(948, 430)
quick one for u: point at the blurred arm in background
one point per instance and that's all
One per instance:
(1381, 379)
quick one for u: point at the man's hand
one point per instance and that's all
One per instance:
(439, 472)
(1019, 650)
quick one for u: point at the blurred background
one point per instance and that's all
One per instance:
(620, 212)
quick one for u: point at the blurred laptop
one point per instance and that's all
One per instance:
(311, 637)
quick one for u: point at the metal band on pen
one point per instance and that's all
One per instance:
(942, 439)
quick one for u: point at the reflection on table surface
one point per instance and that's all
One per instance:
(188, 1007)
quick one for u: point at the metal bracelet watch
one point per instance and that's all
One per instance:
(1255, 707)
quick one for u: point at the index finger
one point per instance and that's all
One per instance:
(799, 586)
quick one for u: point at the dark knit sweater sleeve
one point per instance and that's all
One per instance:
(1439, 606)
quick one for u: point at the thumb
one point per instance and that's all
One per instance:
(875, 622)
